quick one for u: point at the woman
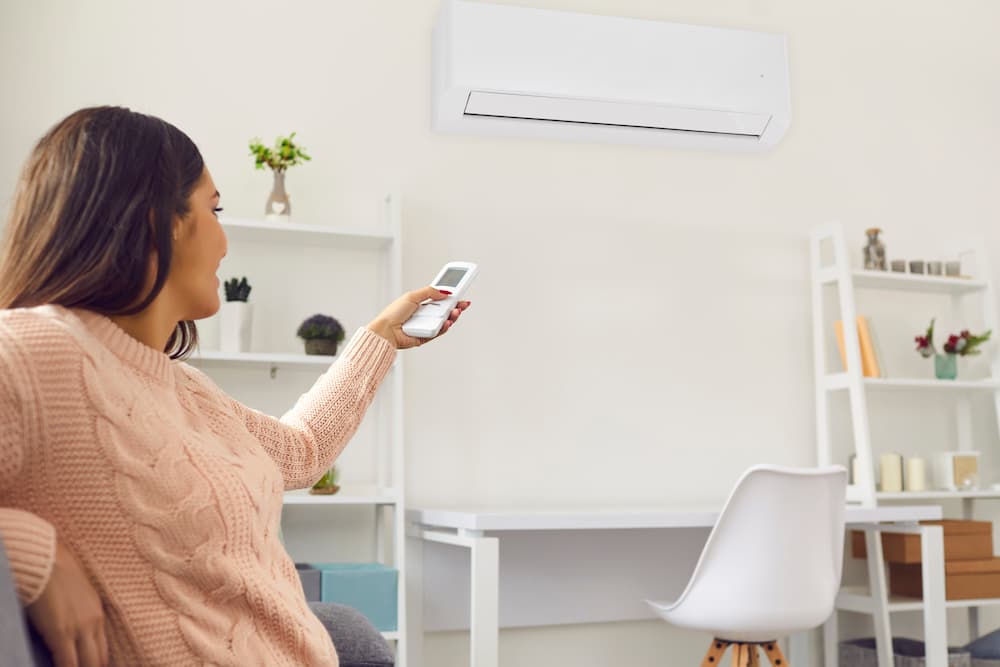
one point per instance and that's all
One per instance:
(139, 504)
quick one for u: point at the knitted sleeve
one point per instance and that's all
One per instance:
(306, 440)
(30, 541)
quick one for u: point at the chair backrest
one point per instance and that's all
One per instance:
(773, 561)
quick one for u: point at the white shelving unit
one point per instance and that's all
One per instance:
(829, 242)
(831, 266)
(386, 495)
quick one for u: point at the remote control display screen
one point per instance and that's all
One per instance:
(451, 277)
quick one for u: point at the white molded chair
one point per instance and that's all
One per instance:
(771, 566)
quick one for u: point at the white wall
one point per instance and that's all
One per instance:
(597, 392)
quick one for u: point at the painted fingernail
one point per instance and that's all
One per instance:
(444, 291)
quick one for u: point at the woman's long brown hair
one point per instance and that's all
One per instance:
(95, 201)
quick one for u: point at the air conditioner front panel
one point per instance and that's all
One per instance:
(504, 70)
(620, 114)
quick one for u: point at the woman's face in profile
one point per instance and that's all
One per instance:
(199, 246)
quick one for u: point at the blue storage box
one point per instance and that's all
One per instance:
(368, 587)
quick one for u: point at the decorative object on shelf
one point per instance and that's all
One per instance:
(236, 316)
(957, 471)
(898, 265)
(963, 344)
(870, 367)
(953, 269)
(874, 250)
(891, 472)
(916, 474)
(286, 153)
(917, 266)
(935, 268)
(321, 334)
(327, 484)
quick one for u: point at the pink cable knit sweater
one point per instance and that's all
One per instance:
(167, 490)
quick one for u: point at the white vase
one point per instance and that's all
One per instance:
(235, 318)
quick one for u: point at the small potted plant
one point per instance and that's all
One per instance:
(236, 316)
(286, 153)
(962, 344)
(327, 484)
(321, 334)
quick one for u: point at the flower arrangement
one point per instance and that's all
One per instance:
(963, 344)
(237, 289)
(286, 153)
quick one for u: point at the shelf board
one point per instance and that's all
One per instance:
(258, 231)
(858, 599)
(937, 494)
(839, 381)
(907, 282)
(346, 496)
(213, 358)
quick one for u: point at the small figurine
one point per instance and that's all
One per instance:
(874, 252)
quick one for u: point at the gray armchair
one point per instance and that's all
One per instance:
(358, 643)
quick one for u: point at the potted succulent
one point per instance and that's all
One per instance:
(327, 484)
(236, 316)
(286, 153)
(321, 334)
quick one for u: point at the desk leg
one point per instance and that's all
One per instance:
(484, 628)
(484, 608)
(935, 621)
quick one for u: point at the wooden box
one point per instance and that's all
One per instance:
(963, 540)
(963, 579)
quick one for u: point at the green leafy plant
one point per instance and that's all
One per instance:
(237, 289)
(321, 326)
(286, 153)
(962, 344)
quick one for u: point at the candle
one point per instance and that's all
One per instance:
(891, 471)
(916, 475)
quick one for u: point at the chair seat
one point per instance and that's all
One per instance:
(735, 627)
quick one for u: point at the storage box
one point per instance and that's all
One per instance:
(963, 579)
(311, 579)
(905, 653)
(963, 540)
(368, 587)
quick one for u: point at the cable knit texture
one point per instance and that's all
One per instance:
(167, 490)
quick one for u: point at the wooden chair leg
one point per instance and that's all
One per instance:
(753, 658)
(774, 654)
(715, 652)
(739, 655)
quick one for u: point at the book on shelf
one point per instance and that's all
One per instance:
(870, 366)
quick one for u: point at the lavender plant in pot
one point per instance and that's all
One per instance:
(321, 334)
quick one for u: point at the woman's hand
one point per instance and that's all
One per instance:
(389, 323)
(69, 617)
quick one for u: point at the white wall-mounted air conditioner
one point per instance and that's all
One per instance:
(513, 71)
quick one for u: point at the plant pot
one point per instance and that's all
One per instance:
(279, 206)
(321, 346)
(235, 319)
(946, 366)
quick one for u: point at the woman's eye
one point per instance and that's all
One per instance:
(217, 210)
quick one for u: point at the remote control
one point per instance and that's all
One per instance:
(454, 279)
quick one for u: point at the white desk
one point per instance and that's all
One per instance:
(578, 566)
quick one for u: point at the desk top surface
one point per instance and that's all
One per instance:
(469, 518)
